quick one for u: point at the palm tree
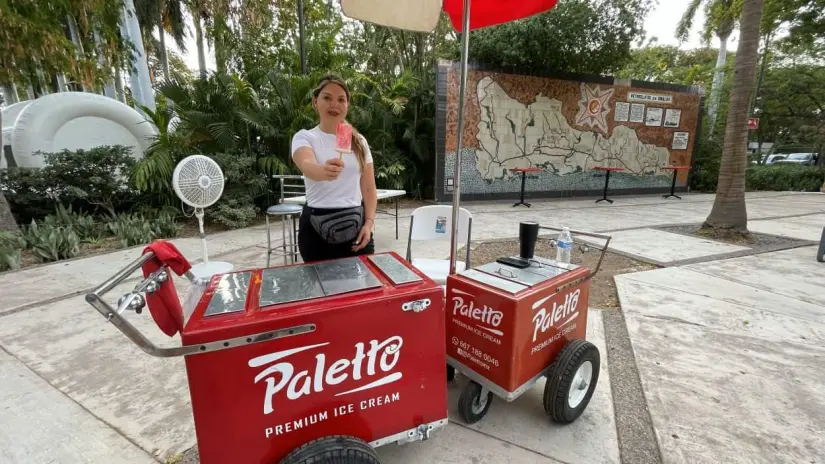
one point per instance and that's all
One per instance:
(199, 13)
(729, 212)
(165, 16)
(721, 17)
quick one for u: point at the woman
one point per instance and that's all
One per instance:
(339, 216)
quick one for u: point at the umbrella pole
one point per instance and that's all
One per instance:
(465, 46)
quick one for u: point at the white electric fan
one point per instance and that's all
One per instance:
(198, 182)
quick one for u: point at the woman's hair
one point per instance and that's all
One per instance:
(357, 146)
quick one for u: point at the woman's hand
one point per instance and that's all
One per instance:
(332, 169)
(304, 158)
(363, 237)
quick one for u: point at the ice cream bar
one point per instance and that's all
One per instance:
(343, 138)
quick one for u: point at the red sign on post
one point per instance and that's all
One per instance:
(753, 123)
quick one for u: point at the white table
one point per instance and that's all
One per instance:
(382, 195)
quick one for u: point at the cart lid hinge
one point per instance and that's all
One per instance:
(416, 306)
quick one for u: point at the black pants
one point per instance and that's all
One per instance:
(314, 248)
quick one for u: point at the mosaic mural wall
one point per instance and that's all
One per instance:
(565, 127)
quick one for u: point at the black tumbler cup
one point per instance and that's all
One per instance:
(528, 233)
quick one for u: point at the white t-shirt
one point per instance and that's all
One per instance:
(343, 192)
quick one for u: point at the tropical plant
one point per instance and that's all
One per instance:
(721, 19)
(98, 177)
(581, 36)
(38, 52)
(222, 115)
(167, 16)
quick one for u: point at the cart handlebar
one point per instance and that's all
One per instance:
(575, 233)
(135, 301)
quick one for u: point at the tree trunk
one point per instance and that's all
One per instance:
(7, 221)
(78, 46)
(119, 94)
(109, 87)
(162, 57)
(10, 93)
(729, 211)
(763, 67)
(718, 80)
(196, 17)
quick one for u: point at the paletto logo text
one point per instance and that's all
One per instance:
(486, 317)
(378, 359)
(566, 312)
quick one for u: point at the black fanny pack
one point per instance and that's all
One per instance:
(337, 227)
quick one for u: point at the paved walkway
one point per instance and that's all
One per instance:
(61, 363)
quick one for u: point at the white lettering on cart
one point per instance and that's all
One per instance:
(380, 401)
(381, 355)
(485, 315)
(296, 424)
(561, 333)
(568, 312)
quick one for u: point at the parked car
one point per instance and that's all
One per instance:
(771, 159)
(805, 159)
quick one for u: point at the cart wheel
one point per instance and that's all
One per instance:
(336, 449)
(450, 373)
(571, 381)
(471, 405)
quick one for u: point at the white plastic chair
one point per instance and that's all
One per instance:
(434, 223)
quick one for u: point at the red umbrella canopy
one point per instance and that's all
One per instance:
(485, 13)
(422, 15)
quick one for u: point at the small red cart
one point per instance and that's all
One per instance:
(306, 363)
(508, 327)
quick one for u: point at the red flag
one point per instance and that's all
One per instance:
(485, 13)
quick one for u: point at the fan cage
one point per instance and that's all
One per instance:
(198, 181)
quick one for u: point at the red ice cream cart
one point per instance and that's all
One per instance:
(508, 326)
(292, 363)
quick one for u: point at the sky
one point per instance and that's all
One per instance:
(661, 23)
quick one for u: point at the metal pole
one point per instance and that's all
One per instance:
(465, 46)
(301, 36)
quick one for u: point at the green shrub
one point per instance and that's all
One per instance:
(137, 229)
(785, 177)
(52, 242)
(164, 225)
(11, 244)
(88, 228)
(98, 176)
(243, 185)
(27, 192)
(87, 180)
(131, 230)
(235, 213)
(705, 173)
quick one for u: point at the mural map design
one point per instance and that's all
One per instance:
(566, 128)
(513, 135)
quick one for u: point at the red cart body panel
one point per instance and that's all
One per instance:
(372, 368)
(507, 332)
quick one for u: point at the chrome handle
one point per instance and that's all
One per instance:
(135, 301)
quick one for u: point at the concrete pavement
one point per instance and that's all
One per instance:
(731, 356)
(120, 395)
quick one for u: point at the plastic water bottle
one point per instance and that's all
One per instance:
(564, 247)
